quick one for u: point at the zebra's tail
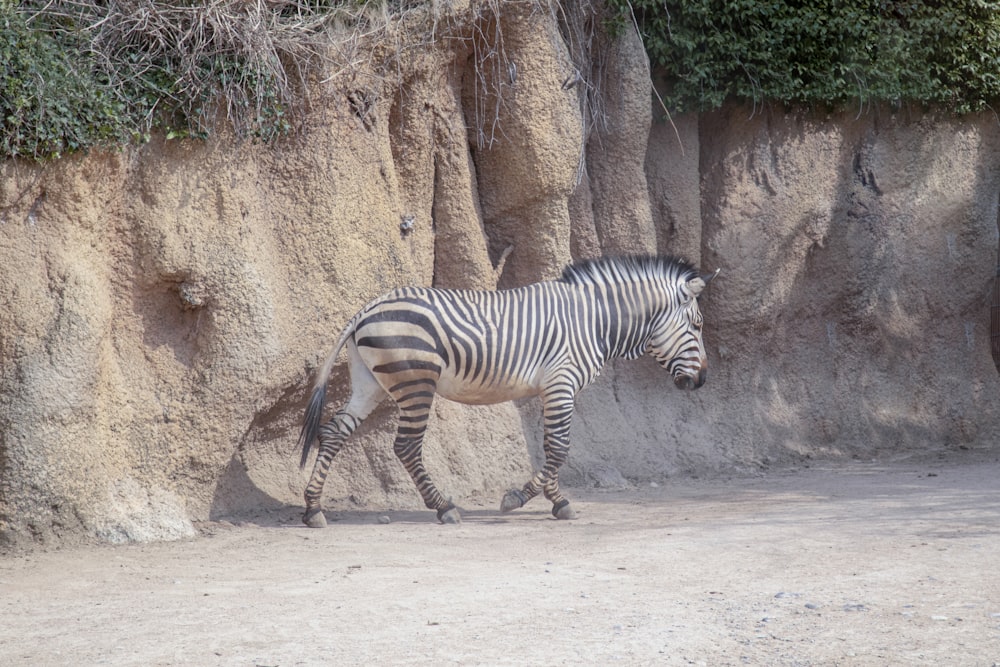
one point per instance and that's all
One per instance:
(314, 411)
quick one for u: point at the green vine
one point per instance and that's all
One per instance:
(49, 105)
(81, 73)
(823, 52)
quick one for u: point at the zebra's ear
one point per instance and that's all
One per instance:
(696, 285)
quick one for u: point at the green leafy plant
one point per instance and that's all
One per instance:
(49, 104)
(828, 51)
(80, 73)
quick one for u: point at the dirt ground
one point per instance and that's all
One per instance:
(855, 564)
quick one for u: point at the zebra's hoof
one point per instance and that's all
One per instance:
(314, 518)
(563, 510)
(512, 500)
(449, 515)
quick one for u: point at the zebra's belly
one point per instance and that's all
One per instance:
(474, 393)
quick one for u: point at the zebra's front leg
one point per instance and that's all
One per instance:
(548, 480)
(560, 505)
(557, 411)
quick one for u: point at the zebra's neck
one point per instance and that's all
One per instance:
(624, 317)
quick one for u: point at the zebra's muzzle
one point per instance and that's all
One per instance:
(691, 381)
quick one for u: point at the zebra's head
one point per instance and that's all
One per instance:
(652, 301)
(676, 341)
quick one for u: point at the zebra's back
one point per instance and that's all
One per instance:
(479, 347)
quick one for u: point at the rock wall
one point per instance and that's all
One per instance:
(165, 308)
(852, 314)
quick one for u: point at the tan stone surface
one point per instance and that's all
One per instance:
(164, 309)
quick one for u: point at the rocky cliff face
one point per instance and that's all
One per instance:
(165, 308)
(851, 318)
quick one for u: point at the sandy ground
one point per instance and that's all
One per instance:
(859, 564)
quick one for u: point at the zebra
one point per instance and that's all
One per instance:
(482, 347)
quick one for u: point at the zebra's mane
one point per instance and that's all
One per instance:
(611, 270)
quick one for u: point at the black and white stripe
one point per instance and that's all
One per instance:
(481, 347)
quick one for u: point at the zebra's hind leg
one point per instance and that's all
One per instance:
(332, 437)
(366, 394)
(409, 451)
(414, 408)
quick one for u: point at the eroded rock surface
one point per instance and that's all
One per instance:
(165, 308)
